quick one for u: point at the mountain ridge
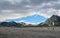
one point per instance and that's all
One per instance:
(54, 20)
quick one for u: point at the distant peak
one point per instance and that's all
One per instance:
(53, 16)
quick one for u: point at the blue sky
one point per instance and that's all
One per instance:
(32, 19)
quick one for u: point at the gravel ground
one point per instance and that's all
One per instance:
(30, 32)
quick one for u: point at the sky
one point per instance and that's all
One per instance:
(17, 9)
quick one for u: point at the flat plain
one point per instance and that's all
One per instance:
(30, 32)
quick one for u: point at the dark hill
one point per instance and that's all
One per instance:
(53, 20)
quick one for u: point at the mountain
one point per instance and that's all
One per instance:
(32, 19)
(54, 20)
(10, 24)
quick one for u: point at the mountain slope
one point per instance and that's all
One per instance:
(53, 20)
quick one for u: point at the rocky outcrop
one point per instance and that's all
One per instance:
(53, 21)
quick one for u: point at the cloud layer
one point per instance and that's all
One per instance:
(10, 9)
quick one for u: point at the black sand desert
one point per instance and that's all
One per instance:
(30, 32)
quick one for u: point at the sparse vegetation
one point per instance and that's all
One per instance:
(31, 32)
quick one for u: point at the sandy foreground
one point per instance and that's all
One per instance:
(30, 32)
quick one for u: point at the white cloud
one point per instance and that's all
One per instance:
(14, 1)
(22, 8)
(48, 12)
(13, 14)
